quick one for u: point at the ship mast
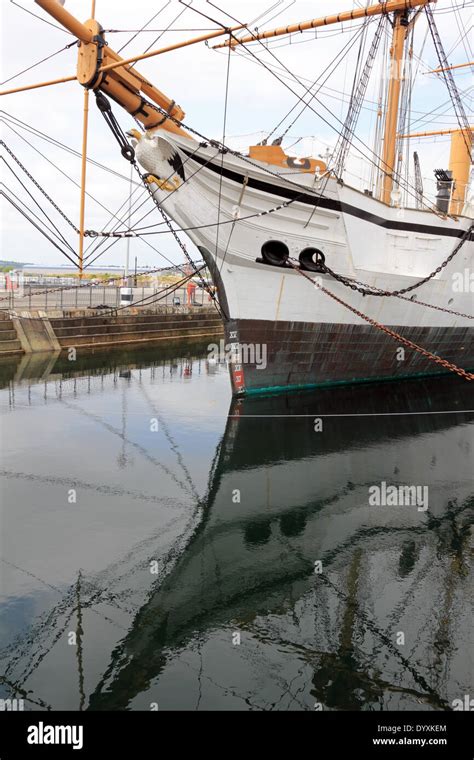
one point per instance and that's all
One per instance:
(397, 55)
(100, 68)
(400, 10)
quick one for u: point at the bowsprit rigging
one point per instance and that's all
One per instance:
(128, 153)
(263, 218)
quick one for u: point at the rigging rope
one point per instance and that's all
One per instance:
(221, 176)
(13, 121)
(139, 31)
(317, 113)
(32, 179)
(359, 89)
(58, 234)
(40, 220)
(129, 154)
(51, 240)
(45, 21)
(449, 79)
(309, 89)
(43, 60)
(104, 283)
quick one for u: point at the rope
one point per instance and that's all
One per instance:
(51, 240)
(101, 284)
(59, 236)
(346, 48)
(55, 26)
(391, 333)
(129, 153)
(32, 179)
(138, 31)
(224, 122)
(43, 60)
(317, 113)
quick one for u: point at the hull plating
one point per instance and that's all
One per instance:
(230, 207)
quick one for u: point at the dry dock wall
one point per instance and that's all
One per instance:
(27, 332)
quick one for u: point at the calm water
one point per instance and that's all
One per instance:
(165, 547)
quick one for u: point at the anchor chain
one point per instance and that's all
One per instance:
(369, 290)
(391, 333)
(129, 154)
(36, 184)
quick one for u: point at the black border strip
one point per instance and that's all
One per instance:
(327, 203)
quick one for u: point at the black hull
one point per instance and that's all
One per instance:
(304, 355)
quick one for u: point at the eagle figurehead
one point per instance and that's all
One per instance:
(159, 158)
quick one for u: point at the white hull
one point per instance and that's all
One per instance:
(361, 238)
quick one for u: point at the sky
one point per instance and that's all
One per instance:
(195, 78)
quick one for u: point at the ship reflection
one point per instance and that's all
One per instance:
(365, 604)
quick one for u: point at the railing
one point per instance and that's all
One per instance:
(30, 297)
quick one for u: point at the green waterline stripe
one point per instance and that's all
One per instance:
(271, 390)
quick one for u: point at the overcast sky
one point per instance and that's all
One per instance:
(195, 78)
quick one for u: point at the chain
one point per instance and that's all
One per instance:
(438, 308)
(129, 154)
(166, 219)
(155, 297)
(353, 284)
(369, 290)
(95, 233)
(102, 284)
(391, 333)
(32, 179)
(225, 149)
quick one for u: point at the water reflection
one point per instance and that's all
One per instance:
(279, 585)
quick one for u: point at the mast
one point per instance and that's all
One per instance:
(82, 211)
(100, 68)
(397, 54)
(400, 9)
